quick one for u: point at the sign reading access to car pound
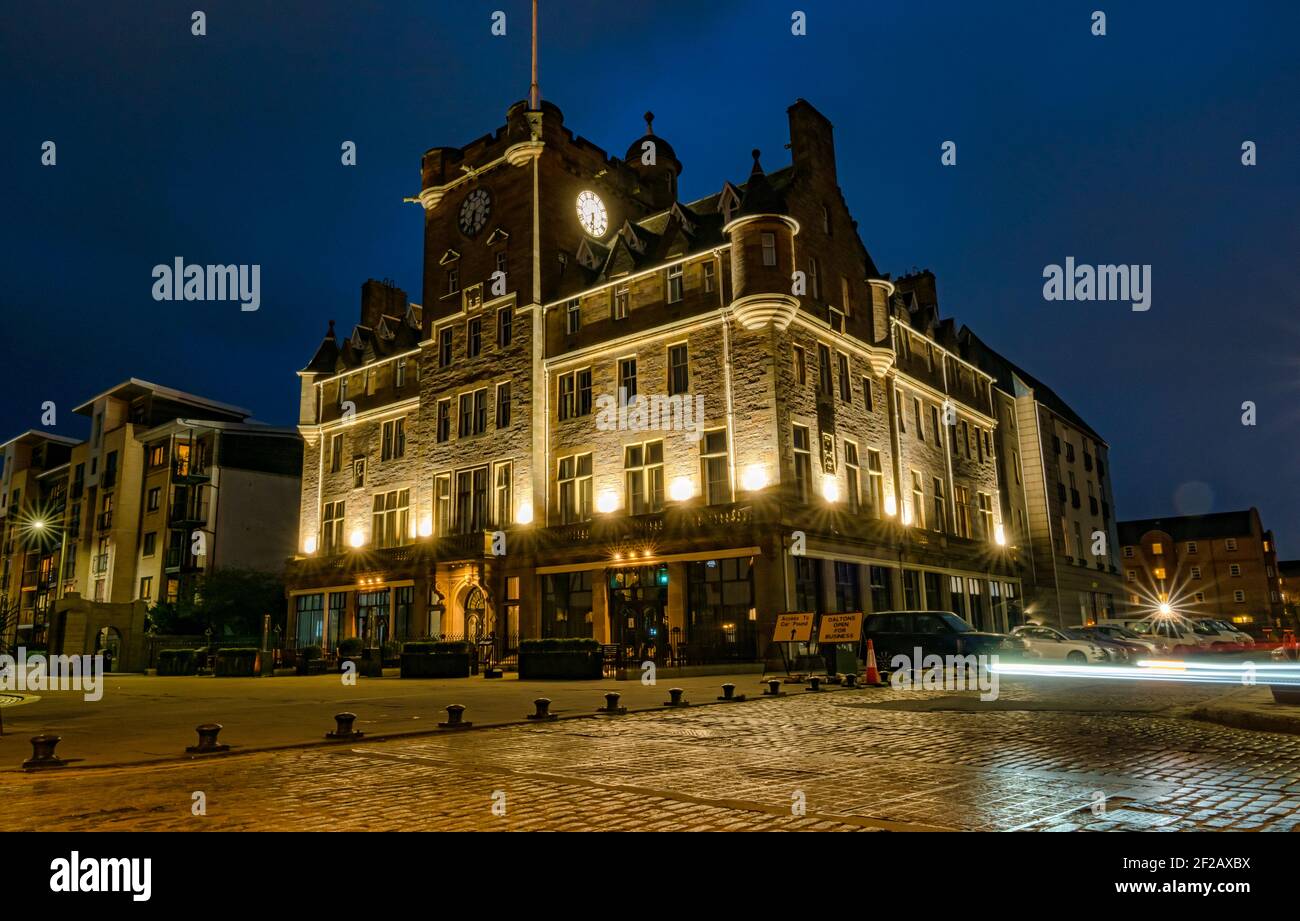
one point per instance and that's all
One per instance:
(840, 628)
(793, 628)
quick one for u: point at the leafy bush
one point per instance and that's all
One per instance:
(350, 647)
(420, 647)
(178, 661)
(238, 651)
(451, 647)
(309, 652)
(391, 650)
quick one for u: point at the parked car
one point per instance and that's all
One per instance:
(941, 633)
(1053, 643)
(1117, 651)
(1137, 644)
(1180, 634)
(1228, 634)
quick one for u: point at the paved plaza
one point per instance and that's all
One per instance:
(1047, 755)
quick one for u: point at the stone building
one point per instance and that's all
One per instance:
(1054, 474)
(168, 485)
(1222, 565)
(654, 422)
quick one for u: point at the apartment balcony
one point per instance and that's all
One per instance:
(188, 515)
(179, 559)
(189, 474)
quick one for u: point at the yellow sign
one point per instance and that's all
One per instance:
(793, 628)
(840, 628)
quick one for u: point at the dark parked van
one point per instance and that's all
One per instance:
(939, 633)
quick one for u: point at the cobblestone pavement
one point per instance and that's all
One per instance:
(1043, 758)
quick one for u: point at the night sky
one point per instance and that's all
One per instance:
(1126, 148)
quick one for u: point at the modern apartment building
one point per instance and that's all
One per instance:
(167, 486)
(1056, 488)
(1222, 565)
(620, 415)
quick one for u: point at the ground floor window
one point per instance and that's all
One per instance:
(933, 591)
(372, 617)
(957, 589)
(977, 604)
(848, 587)
(807, 584)
(911, 590)
(566, 604)
(310, 610)
(720, 599)
(638, 606)
(403, 602)
(882, 591)
(338, 603)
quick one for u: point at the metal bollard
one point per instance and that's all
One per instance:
(43, 753)
(344, 728)
(850, 680)
(611, 705)
(543, 705)
(675, 698)
(729, 693)
(207, 740)
(814, 683)
(774, 688)
(455, 718)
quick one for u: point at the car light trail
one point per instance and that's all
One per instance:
(1246, 673)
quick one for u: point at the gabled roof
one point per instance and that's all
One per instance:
(1005, 373)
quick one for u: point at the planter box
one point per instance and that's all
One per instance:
(435, 665)
(179, 662)
(581, 666)
(242, 665)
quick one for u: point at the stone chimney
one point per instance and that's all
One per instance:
(812, 141)
(379, 298)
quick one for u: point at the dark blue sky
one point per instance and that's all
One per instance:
(225, 149)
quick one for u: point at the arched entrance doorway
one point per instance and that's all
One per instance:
(475, 611)
(109, 645)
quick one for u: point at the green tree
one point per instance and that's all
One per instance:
(229, 601)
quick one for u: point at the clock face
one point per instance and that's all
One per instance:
(475, 211)
(591, 214)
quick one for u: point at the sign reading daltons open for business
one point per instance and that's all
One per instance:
(793, 628)
(840, 628)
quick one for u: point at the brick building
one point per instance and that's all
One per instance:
(621, 415)
(113, 519)
(1223, 565)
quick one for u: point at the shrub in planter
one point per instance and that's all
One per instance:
(236, 662)
(351, 647)
(310, 661)
(556, 657)
(435, 660)
(178, 662)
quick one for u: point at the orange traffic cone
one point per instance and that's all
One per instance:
(873, 673)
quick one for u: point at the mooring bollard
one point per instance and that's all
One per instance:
(675, 698)
(455, 718)
(814, 683)
(207, 740)
(774, 688)
(543, 705)
(850, 680)
(43, 753)
(611, 705)
(729, 693)
(343, 729)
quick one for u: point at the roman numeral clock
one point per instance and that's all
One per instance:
(475, 211)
